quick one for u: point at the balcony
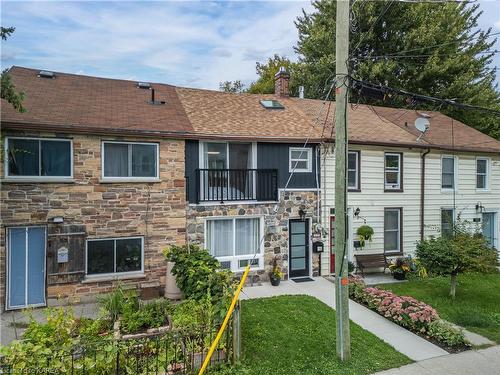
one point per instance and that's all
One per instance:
(222, 185)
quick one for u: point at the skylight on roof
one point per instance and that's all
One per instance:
(144, 85)
(46, 74)
(271, 104)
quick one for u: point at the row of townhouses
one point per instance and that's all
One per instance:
(101, 175)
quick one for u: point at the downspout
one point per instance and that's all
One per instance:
(318, 192)
(422, 193)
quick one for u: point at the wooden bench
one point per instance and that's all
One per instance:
(370, 260)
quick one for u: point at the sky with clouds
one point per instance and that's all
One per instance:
(188, 43)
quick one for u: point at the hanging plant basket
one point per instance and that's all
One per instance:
(365, 233)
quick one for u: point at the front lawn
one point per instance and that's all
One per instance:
(296, 335)
(477, 303)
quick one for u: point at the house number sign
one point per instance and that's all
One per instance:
(62, 255)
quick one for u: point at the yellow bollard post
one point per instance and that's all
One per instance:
(224, 323)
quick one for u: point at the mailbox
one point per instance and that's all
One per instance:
(357, 244)
(318, 247)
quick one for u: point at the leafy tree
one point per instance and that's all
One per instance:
(267, 70)
(428, 48)
(465, 251)
(8, 90)
(230, 86)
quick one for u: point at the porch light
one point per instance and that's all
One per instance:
(302, 214)
(479, 207)
(356, 212)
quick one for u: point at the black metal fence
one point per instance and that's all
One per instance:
(219, 185)
(168, 353)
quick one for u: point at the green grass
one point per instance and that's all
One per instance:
(477, 303)
(296, 335)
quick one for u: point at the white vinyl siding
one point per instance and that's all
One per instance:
(372, 199)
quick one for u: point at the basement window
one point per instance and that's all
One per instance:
(271, 104)
(46, 74)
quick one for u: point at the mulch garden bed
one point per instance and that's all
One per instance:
(449, 349)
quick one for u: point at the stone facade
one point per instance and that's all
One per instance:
(155, 210)
(275, 224)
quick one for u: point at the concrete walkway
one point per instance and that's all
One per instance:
(413, 346)
(484, 362)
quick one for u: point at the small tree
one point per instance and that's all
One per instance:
(465, 251)
(232, 86)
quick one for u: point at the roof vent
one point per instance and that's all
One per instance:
(46, 74)
(144, 85)
(153, 101)
(271, 104)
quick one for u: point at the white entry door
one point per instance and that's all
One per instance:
(25, 267)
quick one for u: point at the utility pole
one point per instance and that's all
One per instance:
(341, 99)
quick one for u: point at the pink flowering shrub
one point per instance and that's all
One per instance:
(405, 311)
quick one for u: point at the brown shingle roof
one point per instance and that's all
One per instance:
(226, 115)
(80, 102)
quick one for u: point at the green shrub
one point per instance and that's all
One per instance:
(114, 303)
(150, 315)
(446, 333)
(43, 341)
(191, 315)
(463, 252)
(197, 272)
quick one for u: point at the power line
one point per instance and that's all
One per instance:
(441, 44)
(419, 56)
(380, 91)
(363, 37)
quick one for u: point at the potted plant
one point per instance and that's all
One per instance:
(365, 233)
(399, 268)
(350, 267)
(276, 275)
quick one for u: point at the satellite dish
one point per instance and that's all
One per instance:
(422, 124)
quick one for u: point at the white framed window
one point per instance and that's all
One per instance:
(447, 222)
(482, 173)
(353, 172)
(300, 159)
(393, 166)
(130, 161)
(114, 256)
(49, 159)
(448, 172)
(234, 241)
(392, 230)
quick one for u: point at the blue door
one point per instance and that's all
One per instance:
(489, 227)
(26, 267)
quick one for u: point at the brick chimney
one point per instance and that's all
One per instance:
(281, 79)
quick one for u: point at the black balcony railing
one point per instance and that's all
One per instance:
(220, 185)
